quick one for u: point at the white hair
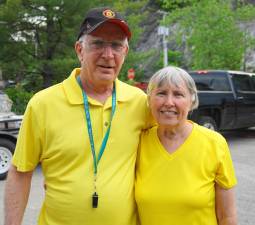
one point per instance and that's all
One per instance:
(172, 75)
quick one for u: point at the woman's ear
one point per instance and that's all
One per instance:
(193, 98)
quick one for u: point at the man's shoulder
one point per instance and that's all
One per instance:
(50, 91)
(47, 95)
(130, 92)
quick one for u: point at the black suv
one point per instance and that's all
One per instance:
(226, 99)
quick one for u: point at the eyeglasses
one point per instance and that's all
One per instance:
(98, 45)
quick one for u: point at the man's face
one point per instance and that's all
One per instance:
(102, 54)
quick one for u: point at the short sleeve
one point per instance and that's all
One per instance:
(28, 148)
(225, 174)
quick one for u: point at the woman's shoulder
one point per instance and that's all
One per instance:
(149, 133)
(208, 134)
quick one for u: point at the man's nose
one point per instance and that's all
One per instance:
(108, 51)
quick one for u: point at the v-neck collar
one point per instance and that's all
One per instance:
(182, 148)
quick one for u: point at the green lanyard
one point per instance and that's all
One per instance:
(96, 159)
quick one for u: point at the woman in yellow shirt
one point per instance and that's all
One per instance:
(185, 174)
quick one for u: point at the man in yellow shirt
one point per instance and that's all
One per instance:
(84, 132)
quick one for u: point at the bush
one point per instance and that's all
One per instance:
(19, 97)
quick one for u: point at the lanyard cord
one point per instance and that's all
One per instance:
(89, 126)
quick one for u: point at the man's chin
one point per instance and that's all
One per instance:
(107, 77)
(106, 80)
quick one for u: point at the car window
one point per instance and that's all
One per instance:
(242, 82)
(253, 81)
(211, 82)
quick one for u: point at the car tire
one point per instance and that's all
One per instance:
(208, 122)
(7, 148)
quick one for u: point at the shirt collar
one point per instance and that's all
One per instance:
(121, 91)
(74, 94)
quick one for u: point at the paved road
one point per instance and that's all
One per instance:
(242, 145)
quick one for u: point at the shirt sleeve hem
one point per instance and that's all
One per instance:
(22, 168)
(228, 186)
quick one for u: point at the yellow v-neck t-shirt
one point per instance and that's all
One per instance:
(178, 188)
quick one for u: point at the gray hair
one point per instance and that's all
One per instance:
(82, 38)
(172, 75)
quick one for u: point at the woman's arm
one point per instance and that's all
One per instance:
(225, 206)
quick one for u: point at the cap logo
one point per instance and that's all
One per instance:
(108, 13)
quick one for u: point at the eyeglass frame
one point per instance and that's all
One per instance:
(100, 49)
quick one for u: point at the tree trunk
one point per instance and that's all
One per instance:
(47, 75)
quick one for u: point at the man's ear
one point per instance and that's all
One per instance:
(78, 49)
(126, 51)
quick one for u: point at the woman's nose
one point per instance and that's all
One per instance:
(169, 100)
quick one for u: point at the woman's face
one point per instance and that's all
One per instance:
(170, 104)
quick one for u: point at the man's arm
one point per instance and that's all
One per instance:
(225, 206)
(16, 195)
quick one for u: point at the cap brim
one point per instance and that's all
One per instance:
(122, 25)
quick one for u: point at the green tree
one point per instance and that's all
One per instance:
(170, 5)
(211, 35)
(37, 48)
(245, 13)
(39, 35)
(134, 16)
(19, 97)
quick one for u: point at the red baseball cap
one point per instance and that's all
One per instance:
(97, 16)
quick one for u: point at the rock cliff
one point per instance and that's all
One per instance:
(150, 40)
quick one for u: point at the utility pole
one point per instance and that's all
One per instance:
(164, 31)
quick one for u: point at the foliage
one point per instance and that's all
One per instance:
(19, 97)
(135, 60)
(209, 31)
(134, 17)
(170, 5)
(246, 15)
(174, 57)
(41, 33)
(37, 38)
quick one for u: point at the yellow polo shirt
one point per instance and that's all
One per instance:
(54, 133)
